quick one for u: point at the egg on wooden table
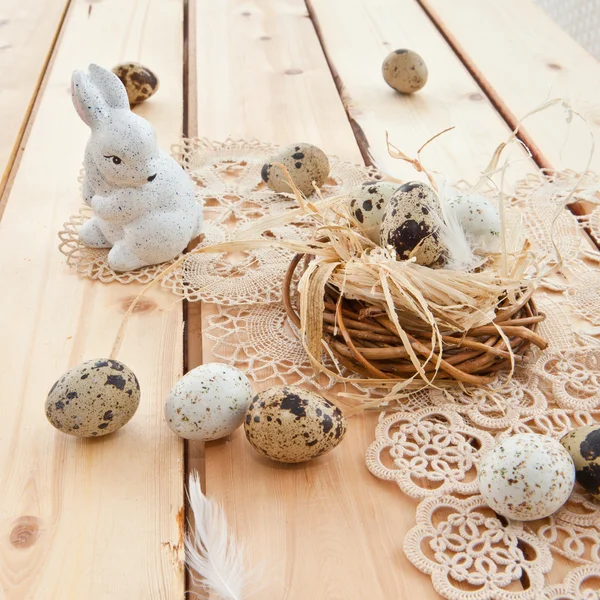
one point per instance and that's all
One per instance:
(291, 425)
(526, 477)
(583, 444)
(94, 398)
(139, 81)
(410, 224)
(208, 403)
(367, 204)
(305, 163)
(405, 71)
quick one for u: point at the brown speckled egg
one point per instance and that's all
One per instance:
(305, 163)
(526, 477)
(405, 71)
(94, 398)
(291, 425)
(410, 224)
(139, 81)
(583, 444)
(367, 204)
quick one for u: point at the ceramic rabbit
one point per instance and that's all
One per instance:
(143, 201)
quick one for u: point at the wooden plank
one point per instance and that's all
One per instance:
(451, 97)
(327, 529)
(94, 519)
(522, 57)
(28, 32)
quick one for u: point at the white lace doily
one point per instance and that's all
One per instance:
(430, 443)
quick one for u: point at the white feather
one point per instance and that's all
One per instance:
(212, 554)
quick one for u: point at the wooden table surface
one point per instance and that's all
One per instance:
(92, 519)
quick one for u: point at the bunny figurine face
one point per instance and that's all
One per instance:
(143, 201)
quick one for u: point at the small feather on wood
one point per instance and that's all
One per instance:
(213, 556)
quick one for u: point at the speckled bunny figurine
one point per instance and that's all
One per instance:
(143, 201)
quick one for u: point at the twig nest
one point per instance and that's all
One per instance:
(208, 403)
(305, 163)
(139, 81)
(410, 224)
(291, 425)
(583, 444)
(405, 71)
(367, 204)
(94, 398)
(526, 477)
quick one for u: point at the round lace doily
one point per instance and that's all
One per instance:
(229, 186)
(429, 443)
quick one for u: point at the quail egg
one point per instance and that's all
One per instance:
(526, 477)
(305, 163)
(479, 219)
(410, 224)
(367, 203)
(291, 425)
(139, 81)
(583, 444)
(208, 403)
(405, 71)
(94, 398)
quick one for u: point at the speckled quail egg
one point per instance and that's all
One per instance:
(410, 224)
(526, 477)
(305, 163)
(209, 402)
(291, 425)
(367, 203)
(139, 81)
(94, 398)
(583, 444)
(479, 219)
(404, 70)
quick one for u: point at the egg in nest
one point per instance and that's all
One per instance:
(583, 444)
(479, 219)
(208, 403)
(305, 163)
(94, 398)
(526, 477)
(411, 224)
(367, 204)
(405, 71)
(290, 424)
(139, 81)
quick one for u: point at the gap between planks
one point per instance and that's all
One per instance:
(14, 160)
(496, 100)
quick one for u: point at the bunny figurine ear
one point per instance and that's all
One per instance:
(87, 99)
(110, 86)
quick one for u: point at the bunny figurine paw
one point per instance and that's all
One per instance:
(143, 201)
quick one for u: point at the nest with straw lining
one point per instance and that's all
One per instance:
(400, 325)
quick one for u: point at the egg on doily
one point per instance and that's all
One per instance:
(367, 204)
(208, 403)
(410, 224)
(526, 477)
(94, 398)
(305, 163)
(583, 445)
(405, 71)
(290, 424)
(139, 81)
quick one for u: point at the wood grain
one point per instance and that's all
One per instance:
(95, 519)
(325, 529)
(522, 57)
(28, 32)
